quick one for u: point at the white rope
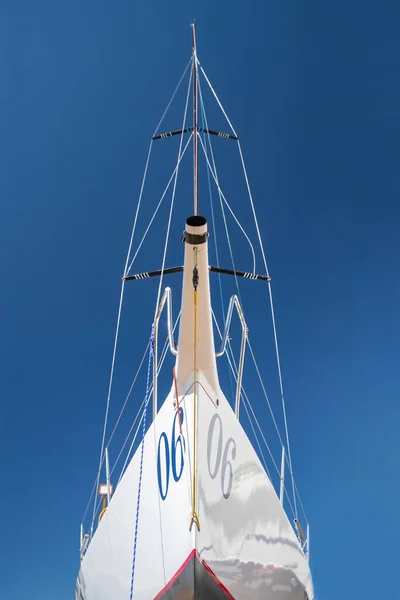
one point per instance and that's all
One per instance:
(91, 495)
(265, 391)
(269, 286)
(232, 364)
(172, 98)
(301, 504)
(272, 458)
(219, 103)
(138, 209)
(245, 396)
(128, 395)
(262, 435)
(161, 362)
(131, 446)
(215, 177)
(109, 395)
(123, 287)
(220, 201)
(278, 361)
(257, 440)
(159, 204)
(234, 370)
(146, 167)
(117, 423)
(130, 430)
(126, 270)
(127, 438)
(172, 203)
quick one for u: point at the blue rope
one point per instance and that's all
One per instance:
(147, 397)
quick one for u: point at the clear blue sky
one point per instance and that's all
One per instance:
(313, 89)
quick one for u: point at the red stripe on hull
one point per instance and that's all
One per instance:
(205, 566)
(175, 577)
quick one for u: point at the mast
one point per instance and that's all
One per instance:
(195, 122)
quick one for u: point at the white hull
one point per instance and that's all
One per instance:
(245, 538)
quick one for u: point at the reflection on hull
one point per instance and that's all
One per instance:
(196, 580)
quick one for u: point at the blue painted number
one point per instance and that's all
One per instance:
(170, 458)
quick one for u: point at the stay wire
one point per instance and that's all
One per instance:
(172, 202)
(269, 285)
(159, 204)
(122, 290)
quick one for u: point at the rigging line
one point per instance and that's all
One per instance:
(109, 394)
(245, 396)
(282, 393)
(163, 354)
(118, 323)
(219, 196)
(259, 427)
(137, 209)
(161, 362)
(225, 224)
(274, 421)
(205, 125)
(204, 115)
(126, 439)
(272, 458)
(131, 446)
(172, 97)
(257, 440)
(265, 391)
(227, 204)
(128, 395)
(269, 284)
(91, 495)
(234, 369)
(234, 372)
(98, 510)
(301, 504)
(222, 208)
(218, 100)
(159, 204)
(141, 461)
(273, 320)
(172, 203)
(204, 119)
(224, 113)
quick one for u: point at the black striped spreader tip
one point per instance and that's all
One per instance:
(161, 136)
(244, 274)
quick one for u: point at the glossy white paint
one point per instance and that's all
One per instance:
(245, 535)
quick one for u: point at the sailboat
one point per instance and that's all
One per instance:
(195, 514)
